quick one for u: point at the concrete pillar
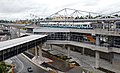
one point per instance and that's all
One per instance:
(36, 52)
(69, 37)
(111, 58)
(40, 52)
(50, 46)
(68, 52)
(97, 57)
(45, 45)
(63, 46)
(97, 40)
(111, 41)
(83, 51)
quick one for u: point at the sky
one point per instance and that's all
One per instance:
(22, 9)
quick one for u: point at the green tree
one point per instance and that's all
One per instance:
(116, 15)
(81, 17)
(3, 67)
(77, 17)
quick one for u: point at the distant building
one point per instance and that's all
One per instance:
(23, 22)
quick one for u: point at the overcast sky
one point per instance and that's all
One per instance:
(21, 9)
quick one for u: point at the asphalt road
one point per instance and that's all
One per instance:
(17, 63)
(27, 64)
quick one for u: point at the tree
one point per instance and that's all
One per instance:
(48, 18)
(116, 15)
(81, 17)
(77, 17)
(3, 67)
(98, 16)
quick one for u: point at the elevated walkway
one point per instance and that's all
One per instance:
(85, 45)
(16, 46)
(79, 44)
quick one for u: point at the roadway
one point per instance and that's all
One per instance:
(23, 64)
(17, 63)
